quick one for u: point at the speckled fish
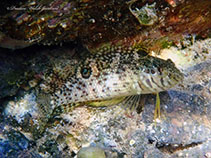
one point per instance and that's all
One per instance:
(114, 75)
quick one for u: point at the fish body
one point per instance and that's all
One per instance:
(115, 74)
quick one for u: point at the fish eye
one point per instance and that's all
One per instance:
(86, 72)
(152, 71)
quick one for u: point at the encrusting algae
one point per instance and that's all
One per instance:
(111, 76)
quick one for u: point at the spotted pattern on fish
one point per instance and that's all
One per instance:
(114, 73)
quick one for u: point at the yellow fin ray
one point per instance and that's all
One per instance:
(157, 113)
(131, 103)
(102, 103)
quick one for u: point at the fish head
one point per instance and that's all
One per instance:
(158, 75)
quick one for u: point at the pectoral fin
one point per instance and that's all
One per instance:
(133, 102)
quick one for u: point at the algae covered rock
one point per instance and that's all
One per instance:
(95, 23)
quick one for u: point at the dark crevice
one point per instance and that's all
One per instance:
(171, 148)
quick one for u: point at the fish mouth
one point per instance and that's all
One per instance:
(172, 81)
(178, 77)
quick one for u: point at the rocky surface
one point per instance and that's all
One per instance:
(154, 24)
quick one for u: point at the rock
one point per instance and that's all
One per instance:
(14, 143)
(91, 152)
(153, 24)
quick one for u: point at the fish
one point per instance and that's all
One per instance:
(113, 75)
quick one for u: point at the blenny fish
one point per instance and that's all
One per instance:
(114, 75)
